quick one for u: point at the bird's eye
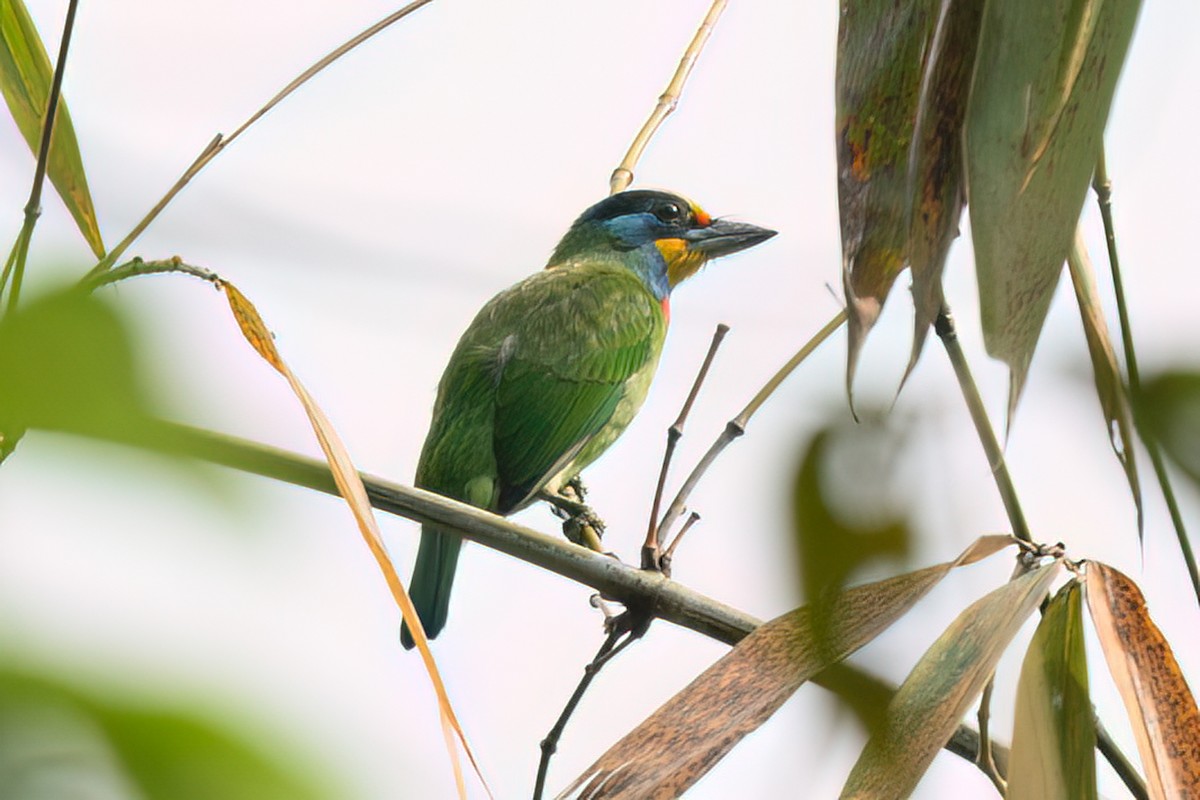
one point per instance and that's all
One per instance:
(671, 213)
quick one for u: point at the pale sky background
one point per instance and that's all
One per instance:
(370, 215)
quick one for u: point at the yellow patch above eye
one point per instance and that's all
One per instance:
(682, 262)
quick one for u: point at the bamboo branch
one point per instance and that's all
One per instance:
(33, 209)
(622, 176)
(219, 142)
(983, 426)
(669, 601)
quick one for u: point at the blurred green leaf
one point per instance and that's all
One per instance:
(66, 364)
(830, 548)
(25, 78)
(1054, 737)
(1110, 387)
(880, 51)
(1169, 407)
(676, 745)
(936, 191)
(57, 743)
(941, 687)
(1161, 708)
(1044, 82)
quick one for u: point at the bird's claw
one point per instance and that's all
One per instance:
(585, 529)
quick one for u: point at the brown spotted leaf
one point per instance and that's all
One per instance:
(683, 739)
(1159, 703)
(1044, 82)
(936, 189)
(1054, 736)
(880, 58)
(1110, 388)
(941, 687)
(25, 78)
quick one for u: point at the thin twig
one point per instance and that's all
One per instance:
(549, 745)
(669, 554)
(33, 209)
(138, 267)
(650, 550)
(983, 759)
(944, 326)
(737, 426)
(1103, 188)
(622, 176)
(219, 142)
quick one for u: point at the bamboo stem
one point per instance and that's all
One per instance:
(1103, 188)
(33, 209)
(622, 176)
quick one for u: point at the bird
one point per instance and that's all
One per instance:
(553, 369)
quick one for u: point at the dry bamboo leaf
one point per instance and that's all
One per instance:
(1161, 708)
(682, 740)
(880, 57)
(941, 687)
(350, 486)
(1110, 388)
(1044, 82)
(25, 78)
(1054, 737)
(936, 189)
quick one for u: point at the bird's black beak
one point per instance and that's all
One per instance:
(722, 237)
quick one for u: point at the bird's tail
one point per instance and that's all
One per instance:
(432, 578)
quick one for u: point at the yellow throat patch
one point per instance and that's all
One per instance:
(682, 261)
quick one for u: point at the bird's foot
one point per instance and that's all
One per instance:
(580, 525)
(586, 529)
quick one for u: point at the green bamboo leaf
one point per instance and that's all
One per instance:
(57, 742)
(1161, 707)
(941, 687)
(1044, 82)
(1169, 406)
(1110, 388)
(25, 78)
(1054, 738)
(936, 189)
(682, 740)
(881, 46)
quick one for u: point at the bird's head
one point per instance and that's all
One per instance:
(663, 237)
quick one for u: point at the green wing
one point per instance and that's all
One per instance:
(545, 378)
(574, 339)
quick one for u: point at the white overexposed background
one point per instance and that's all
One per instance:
(370, 215)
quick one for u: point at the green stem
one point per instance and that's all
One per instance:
(33, 209)
(944, 326)
(1103, 188)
